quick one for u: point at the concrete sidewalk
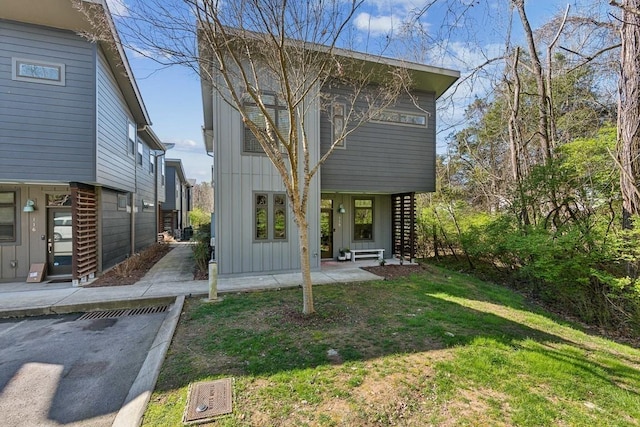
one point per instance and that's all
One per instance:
(169, 278)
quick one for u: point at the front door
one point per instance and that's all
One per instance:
(59, 241)
(326, 233)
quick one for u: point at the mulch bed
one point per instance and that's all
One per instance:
(112, 278)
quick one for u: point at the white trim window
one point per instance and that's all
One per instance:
(140, 152)
(123, 202)
(36, 71)
(131, 138)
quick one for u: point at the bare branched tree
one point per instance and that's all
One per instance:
(255, 52)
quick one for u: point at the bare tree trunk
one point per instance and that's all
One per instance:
(305, 265)
(629, 111)
(515, 140)
(543, 119)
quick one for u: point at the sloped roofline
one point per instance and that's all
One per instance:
(177, 163)
(425, 78)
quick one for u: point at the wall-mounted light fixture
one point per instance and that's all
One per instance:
(341, 209)
(29, 206)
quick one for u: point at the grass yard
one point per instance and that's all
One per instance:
(438, 349)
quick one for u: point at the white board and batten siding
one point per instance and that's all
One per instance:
(238, 177)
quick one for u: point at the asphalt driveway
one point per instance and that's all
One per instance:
(61, 370)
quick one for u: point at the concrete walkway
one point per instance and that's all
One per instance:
(169, 278)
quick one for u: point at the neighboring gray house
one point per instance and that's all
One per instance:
(363, 199)
(81, 171)
(177, 205)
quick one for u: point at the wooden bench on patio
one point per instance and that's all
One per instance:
(366, 253)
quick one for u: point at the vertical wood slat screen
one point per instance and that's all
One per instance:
(85, 226)
(403, 224)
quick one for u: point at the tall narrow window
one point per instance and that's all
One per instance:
(152, 162)
(8, 224)
(131, 136)
(337, 123)
(163, 170)
(279, 217)
(262, 216)
(363, 219)
(140, 152)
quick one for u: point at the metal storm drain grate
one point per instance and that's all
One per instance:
(207, 400)
(112, 314)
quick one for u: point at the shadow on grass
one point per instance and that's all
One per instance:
(263, 334)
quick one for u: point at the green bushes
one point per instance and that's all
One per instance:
(558, 236)
(577, 267)
(202, 248)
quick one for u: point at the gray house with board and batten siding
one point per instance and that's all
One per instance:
(363, 198)
(81, 171)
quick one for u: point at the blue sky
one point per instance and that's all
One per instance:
(173, 98)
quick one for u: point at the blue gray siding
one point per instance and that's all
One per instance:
(115, 166)
(146, 218)
(383, 157)
(171, 200)
(116, 230)
(47, 127)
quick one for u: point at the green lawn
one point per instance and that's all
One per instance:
(436, 349)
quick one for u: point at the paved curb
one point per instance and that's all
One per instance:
(87, 306)
(136, 402)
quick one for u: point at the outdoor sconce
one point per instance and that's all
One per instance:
(29, 206)
(341, 209)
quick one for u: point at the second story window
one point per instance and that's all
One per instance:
(337, 122)
(8, 224)
(131, 139)
(162, 170)
(276, 111)
(36, 71)
(140, 153)
(152, 162)
(401, 118)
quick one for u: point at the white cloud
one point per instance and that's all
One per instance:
(185, 144)
(377, 25)
(118, 7)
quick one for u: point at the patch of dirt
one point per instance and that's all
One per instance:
(394, 271)
(132, 269)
